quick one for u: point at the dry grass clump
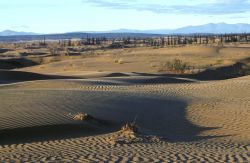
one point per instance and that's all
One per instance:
(82, 117)
(127, 134)
(176, 66)
(119, 61)
(129, 128)
(129, 131)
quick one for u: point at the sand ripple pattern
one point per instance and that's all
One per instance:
(200, 121)
(99, 149)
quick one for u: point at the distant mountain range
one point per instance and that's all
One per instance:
(207, 28)
(15, 33)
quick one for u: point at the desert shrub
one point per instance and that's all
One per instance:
(82, 117)
(176, 65)
(119, 61)
(129, 127)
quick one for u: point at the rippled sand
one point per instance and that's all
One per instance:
(179, 119)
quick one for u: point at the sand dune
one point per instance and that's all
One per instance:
(142, 59)
(10, 76)
(181, 118)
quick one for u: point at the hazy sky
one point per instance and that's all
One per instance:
(57, 16)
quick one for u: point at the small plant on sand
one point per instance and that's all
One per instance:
(129, 131)
(176, 65)
(119, 61)
(82, 117)
(128, 134)
(130, 128)
(116, 60)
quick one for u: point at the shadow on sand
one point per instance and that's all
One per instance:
(160, 116)
(236, 70)
(9, 76)
(157, 116)
(221, 73)
(49, 133)
(227, 72)
(12, 63)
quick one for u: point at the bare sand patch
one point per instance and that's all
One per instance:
(72, 108)
(199, 121)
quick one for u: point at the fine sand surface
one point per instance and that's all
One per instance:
(143, 59)
(179, 119)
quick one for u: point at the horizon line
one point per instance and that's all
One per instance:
(117, 29)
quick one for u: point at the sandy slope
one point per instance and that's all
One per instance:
(145, 59)
(195, 121)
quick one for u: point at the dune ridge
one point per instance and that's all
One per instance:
(182, 118)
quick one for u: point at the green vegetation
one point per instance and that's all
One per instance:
(177, 66)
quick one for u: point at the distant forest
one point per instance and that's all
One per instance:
(133, 38)
(76, 36)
